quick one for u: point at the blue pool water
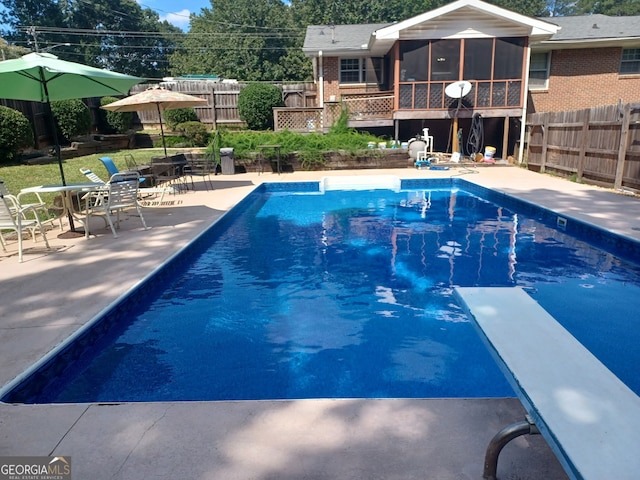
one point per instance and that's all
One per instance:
(347, 294)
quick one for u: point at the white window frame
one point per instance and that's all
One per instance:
(361, 70)
(623, 61)
(545, 70)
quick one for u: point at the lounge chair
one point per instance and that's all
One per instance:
(121, 192)
(112, 169)
(142, 191)
(13, 217)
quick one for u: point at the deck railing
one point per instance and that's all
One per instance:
(314, 119)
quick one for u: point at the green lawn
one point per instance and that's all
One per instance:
(17, 177)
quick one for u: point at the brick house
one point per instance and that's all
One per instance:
(592, 60)
(392, 78)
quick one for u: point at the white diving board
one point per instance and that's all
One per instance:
(589, 418)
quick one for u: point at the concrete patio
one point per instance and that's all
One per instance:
(53, 293)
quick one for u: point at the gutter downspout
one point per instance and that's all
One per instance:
(523, 121)
(321, 78)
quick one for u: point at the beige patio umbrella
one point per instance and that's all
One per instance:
(156, 98)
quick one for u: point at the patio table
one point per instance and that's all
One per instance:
(67, 199)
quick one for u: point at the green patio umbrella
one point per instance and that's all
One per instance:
(43, 77)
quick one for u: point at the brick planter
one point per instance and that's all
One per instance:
(390, 158)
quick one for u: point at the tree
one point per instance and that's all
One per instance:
(124, 37)
(9, 51)
(250, 40)
(113, 34)
(561, 8)
(19, 14)
(531, 8)
(255, 105)
(608, 7)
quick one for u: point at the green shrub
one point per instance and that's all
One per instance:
(255, 105)
(16, 133)
(113, 122)
(72, 117)
(195, 133)
(173, 118)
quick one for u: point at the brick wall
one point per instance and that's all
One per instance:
(331, 81)
(584, 78)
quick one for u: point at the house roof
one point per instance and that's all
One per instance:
(603, 30)
(339, 39)
(459, 19)
(462, 12)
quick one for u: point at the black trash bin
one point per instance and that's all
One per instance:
(227, 161)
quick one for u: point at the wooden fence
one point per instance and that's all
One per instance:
(222, 100)
(221, 108)
(599, 145)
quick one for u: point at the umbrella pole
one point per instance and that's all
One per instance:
(164, 144)
(56, 142)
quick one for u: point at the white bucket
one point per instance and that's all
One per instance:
(489, 152)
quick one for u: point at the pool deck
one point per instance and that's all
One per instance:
(52, 294)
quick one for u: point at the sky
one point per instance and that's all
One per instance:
(176, 13)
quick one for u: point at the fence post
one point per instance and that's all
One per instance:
(622, 150)
(545, 142)
(583, 145)
(213, 108)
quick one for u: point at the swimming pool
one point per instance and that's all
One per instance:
(304, 292)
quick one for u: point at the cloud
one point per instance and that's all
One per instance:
(179, 19)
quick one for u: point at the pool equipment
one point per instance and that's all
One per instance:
(476, 136)
(457, 90)
(421, 146)
(423, 164)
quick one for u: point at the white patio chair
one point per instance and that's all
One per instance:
(36, 202)
(17, 219)
(143, 192)
(121, 192)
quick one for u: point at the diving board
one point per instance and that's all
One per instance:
(589, 418)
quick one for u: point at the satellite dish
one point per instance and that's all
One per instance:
(457, 89)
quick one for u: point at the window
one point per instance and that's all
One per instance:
(539, 71)
(477, 59)
(445, 60)
(414, 61)
(362, 70)
(352, 70)
(508, 58)
(630, 61)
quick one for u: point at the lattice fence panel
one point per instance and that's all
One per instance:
(369, 107)
(298, 119)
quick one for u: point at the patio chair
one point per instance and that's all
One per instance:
(112, 169)
(142, 191)
(36, 203)
(143, 170)
(18, 220)
(121, 192)
(170, 171)
(200, 168)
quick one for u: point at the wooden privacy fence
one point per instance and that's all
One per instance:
(222, 99)
(599, 145)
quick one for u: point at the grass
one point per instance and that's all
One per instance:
(17, 177)
(309, 147)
